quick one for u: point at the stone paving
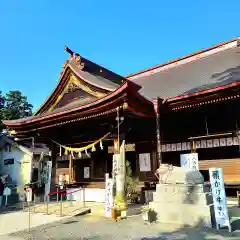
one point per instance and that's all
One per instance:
(18, 221)
(14, 225)
(94, 228)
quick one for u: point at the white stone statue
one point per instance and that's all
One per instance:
(171, 174)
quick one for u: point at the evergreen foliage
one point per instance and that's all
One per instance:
(14, 106)
(131, 181)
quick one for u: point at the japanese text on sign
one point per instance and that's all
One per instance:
(86, 172)
(145, 162)
(189, 161)
(108, 196)
(219, 196)
(115, 164)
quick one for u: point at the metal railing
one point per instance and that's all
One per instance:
(30, 206)
(63, 193)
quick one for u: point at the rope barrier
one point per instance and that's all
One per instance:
(70, 149)
(91, 145)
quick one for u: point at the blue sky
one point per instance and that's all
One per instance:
(124, 36)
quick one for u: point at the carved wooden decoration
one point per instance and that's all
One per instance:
(71, 88)
(76, 60)
(63, 68)
(73, 84)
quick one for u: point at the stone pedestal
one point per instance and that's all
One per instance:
(181, 197)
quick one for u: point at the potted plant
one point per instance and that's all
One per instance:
(148, 214)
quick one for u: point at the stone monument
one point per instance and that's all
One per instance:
(181, 197)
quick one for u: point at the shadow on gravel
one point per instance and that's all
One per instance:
(102, 237)
(25, 234)
(9, 209)
(71, 222)
(236, 225)
(197, 233)
(127, 231)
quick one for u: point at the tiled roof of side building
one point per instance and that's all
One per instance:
(207, 69)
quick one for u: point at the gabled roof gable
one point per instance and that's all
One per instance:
(79, 74)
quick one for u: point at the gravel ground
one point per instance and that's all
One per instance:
(94, 228)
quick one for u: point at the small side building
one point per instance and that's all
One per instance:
(19, 162)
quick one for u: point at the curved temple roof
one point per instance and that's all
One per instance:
(214, 68)
(208, 69)
(91, 73)
(67, 110)
(85, 88)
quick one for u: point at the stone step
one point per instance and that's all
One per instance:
(181, 213)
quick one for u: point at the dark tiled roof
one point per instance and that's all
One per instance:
(96, 79)
(215, 70)
(105, 74)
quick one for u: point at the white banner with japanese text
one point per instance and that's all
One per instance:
(108, 196)
(86, 172)
(115, 165)
(202, 144)
(145, 162)
(219, 197)
(189, 161)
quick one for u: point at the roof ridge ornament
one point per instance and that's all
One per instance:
(75, 58)
(64, 66)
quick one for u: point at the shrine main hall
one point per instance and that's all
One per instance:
(184, 105)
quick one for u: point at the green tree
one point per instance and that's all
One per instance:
(2, 101)
(14, 106)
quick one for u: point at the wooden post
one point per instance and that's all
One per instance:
(92, 168)
(158, 130)
(54, 162)
(193, 146)
(115, 146)
(238, 198)
(120, 199)
(70, 167)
